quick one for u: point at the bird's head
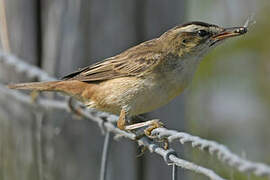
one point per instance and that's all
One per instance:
(196, 38)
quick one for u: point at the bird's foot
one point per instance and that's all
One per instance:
(121, 123)
(151, 125)
(154, 125)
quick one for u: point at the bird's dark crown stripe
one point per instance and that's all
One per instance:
(198, 23)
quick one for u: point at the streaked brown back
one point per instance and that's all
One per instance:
(135, 61)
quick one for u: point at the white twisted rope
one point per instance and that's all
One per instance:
(223, 153)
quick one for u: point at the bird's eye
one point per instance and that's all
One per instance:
(203, 33)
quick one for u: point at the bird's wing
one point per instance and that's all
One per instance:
(133, 62)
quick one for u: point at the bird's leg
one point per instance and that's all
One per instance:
(121, 123)
(150, 124)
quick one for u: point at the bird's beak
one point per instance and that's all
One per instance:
(229, 32)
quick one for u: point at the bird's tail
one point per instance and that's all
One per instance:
(74, 88)
(39, 86)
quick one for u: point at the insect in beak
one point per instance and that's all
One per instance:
(227, 33)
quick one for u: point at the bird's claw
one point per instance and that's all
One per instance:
(150, 126)
(148, 132)
(154, 124)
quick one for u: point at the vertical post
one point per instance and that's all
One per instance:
(174, 172)
(4, 30)
(104, 157)
(21, 19)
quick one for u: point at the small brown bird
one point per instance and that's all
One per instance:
(142, 78)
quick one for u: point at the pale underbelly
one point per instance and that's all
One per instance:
(152, 100)
(136, 97)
